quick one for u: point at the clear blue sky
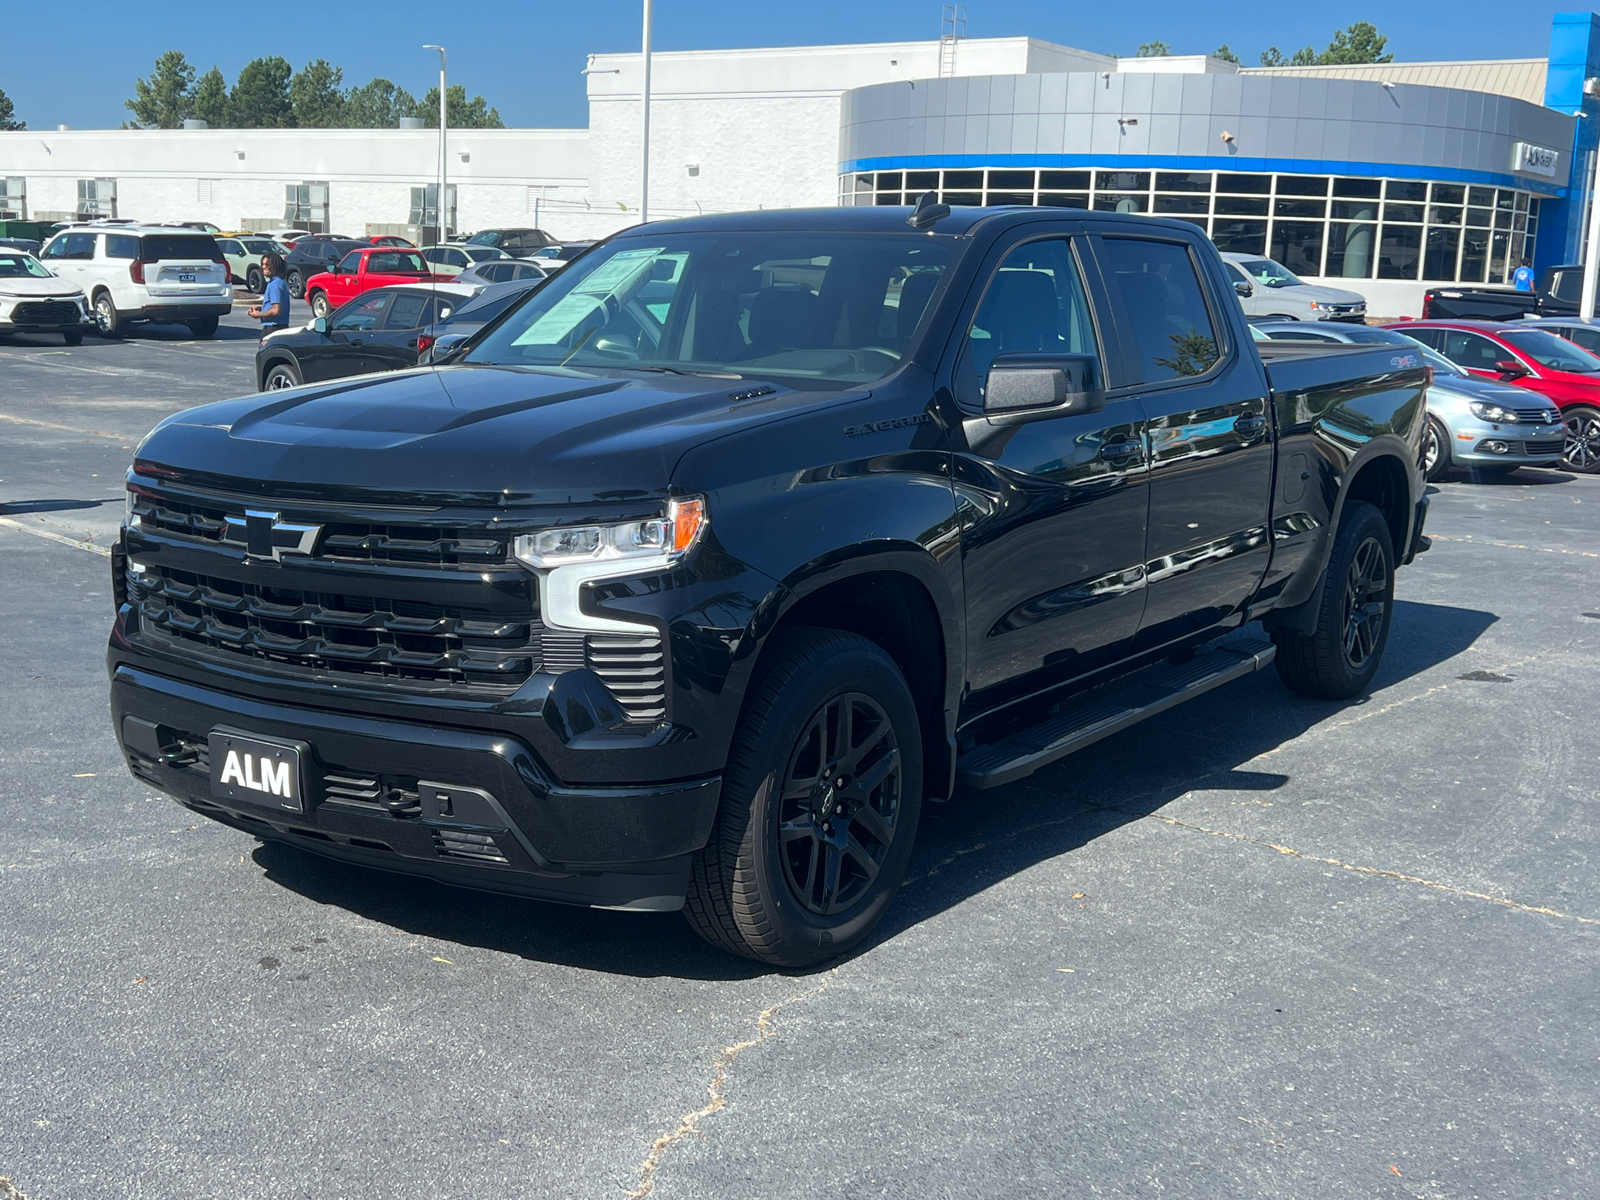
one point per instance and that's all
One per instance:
(524, 57)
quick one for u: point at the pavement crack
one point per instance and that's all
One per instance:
(1502, 901)
(689, 1123)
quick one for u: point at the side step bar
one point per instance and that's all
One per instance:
(1023, 753)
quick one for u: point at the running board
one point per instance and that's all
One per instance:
(1083, 724)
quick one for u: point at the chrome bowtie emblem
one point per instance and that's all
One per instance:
(267, 535)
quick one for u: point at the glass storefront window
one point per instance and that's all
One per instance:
(1522, 201)
(1368, 188)
(1478, 217)
(1298, 246)
(1502, 218)
(922, 181)
(1497, 256)
(1300, 208)
(1066, 181)
(891, 181)
(1404, 189)
(1064, 199)
(1474, 255)
(1122, 181)
(1025, 198)
(972, 198)
(886, 198)
(1248, 185)
(1505, 199)
(1302, 185)
(1355, 210)
(1240, 237)
(1242, 206)
(1182, 204)
(1399, 251)
(1350, 250)
(1449, 193)
(1402, 212)
(1439, 258)
(1440, 214)
(1481, 196)
(1183, 181)
(1123, 202)
(1014, 181)
(963, 179)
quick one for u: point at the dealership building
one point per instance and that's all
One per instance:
(1385, 178)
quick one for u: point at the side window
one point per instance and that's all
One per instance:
(510, 241)
(363, 313)
(405, 311)
(1589, 339)
(1431, 338)
(57, 248)
(80, 245)
(1567, 286)
(349, 265)
(1034, 304)
(120, 245)
(1165, 305)
(1472, 351)
(229, 246)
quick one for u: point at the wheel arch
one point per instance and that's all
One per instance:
(275, 359)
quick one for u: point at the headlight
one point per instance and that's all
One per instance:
(1493, 413)
(670, 536)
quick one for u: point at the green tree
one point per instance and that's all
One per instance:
(1358, 43)
(379, 105)
(210, 103)
(1192, 353)
(1154, 50)
(260, 96)
(316, 96)
(8, 116)
(1223, 53)
(1304, 57)
(163, 100)
(1272, 57)
(475, 114)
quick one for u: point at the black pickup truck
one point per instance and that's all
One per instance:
(1558, 294)
(690, 579)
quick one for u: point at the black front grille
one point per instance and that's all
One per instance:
(406, 640)
(46, 312)
(216, 522)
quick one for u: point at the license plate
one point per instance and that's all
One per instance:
(255, 770)
(184, 277)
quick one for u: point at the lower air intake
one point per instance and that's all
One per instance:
(475, 847)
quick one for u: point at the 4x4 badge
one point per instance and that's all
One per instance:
(268, 535)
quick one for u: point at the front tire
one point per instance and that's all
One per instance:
(73, 337)
(1339, 660)
(1582, 450)
(319, 304)
(820, 804)
(253, 281)
(280, 375)
(1435, 451)
(203, 328)
(106, 318)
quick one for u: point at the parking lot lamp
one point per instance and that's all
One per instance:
(444, 121)
(644, 165)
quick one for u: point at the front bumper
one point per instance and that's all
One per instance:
(474, 808)
(1477, 443)
(42, 316)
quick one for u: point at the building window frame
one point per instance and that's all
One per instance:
(305, 205)
(97, 198)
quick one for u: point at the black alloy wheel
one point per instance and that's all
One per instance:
(297, 284)
(1435, 451)
(253, 280)
(1366, 603)
(1581, 453)
(840, 803)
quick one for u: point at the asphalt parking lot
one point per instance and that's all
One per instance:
(1259, 946)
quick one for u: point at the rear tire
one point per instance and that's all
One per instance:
(253, 281)
(804, 858)
(106, 318)
(203, 328)
(1339, 660)
(73, 337)
(319, 304)
(297, 284)
(280, 375)
(1582, 450)
(1435, 451)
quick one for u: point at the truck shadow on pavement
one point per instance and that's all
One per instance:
(964, 847)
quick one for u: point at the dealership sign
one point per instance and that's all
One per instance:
(1535, 160)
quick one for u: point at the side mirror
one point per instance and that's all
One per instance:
(1062, 384)
(320, 325)
(1244, 288)
(1511, 368)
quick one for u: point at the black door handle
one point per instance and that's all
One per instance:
(1118, 452)
(1250, 426)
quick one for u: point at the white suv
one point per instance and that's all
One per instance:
(144, 273)
(1269, 291)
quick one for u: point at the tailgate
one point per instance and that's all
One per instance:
(177, 277)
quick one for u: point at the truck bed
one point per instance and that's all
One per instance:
(1316, 366)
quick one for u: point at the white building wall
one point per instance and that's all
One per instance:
(498, 174)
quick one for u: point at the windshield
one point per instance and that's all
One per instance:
(484, 239)
(21, 266)
(1551, 352)
(1268, 273)
(811, 309)
(258, 246)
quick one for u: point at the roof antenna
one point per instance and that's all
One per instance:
(928, 211)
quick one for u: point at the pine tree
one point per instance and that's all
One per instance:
(1357, 43)
(1224, 54)
(475, 114)
(316, 97)
(260, 96)
(163, 101)
(211, 99)
(8, 117)
(379, 104)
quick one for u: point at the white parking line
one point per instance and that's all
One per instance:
(99, 433)
(55, 537)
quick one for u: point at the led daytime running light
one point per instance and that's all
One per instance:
(670, 537)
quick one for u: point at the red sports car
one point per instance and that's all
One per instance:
(1523, 354)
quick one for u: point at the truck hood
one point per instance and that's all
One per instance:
(1305, 293)
(539, 437)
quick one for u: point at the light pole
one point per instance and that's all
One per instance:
(444, 121)
(644, 166)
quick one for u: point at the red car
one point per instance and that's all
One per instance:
(1523, 354)
(361, 271)
(387, 239)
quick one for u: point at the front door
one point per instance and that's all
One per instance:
(344, 349)
(1053, 506)
(1208, 433)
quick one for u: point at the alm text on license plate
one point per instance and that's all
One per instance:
(256, 770)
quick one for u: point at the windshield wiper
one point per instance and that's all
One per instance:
(683, 371)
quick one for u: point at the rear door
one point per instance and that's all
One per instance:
(1474, 352)
(1208, 433)
(392, 346)
(182, 265)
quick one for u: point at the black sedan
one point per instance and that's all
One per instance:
(379, 330)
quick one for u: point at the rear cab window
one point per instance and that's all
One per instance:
(1164, 304)
(121, 245)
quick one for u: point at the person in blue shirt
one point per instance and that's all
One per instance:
(273, 311)
(1522, 277)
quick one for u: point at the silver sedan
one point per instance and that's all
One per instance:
(1490, 428)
